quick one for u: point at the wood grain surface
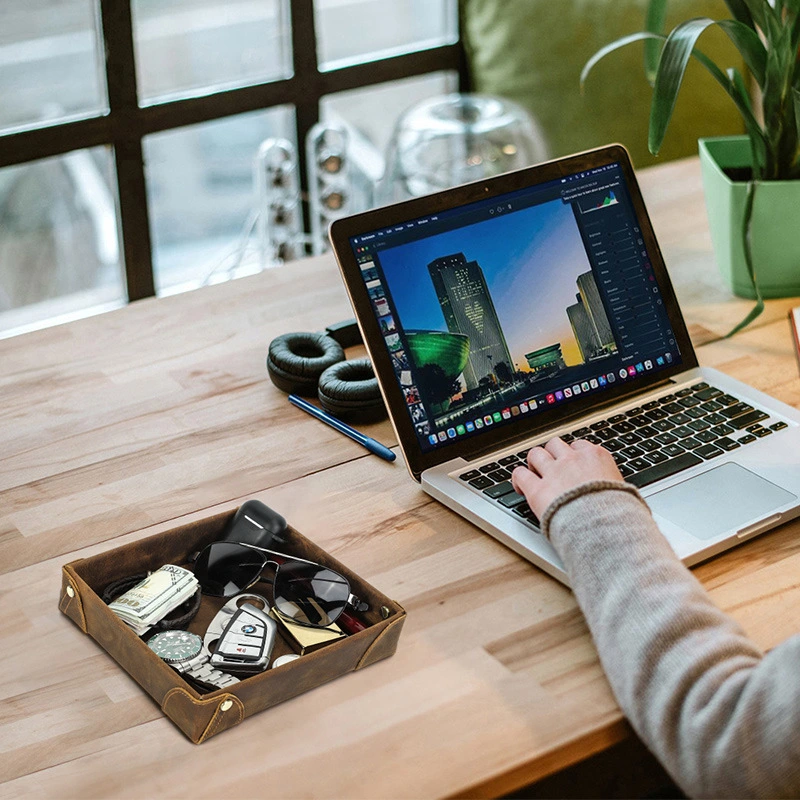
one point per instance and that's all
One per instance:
(116, 427)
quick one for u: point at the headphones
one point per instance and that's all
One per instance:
(314, 364)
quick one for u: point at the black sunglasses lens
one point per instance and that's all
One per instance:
(225, 568)
(310, 594)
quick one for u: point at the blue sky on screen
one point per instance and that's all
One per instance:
(530, 259)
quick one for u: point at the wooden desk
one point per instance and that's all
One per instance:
(116, 427)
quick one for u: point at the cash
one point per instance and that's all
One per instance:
(153, 598)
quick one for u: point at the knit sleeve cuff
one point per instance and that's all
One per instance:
(581, 491)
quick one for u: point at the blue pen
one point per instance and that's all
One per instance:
(374, 447)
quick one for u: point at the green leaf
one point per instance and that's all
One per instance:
(740, 12)
(749, 44)
(616, 45)
(671, 69)
(654, 23)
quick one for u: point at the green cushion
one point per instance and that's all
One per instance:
(533, 51)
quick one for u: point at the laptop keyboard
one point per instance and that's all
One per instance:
(650, 442)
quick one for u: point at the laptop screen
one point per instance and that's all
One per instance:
(512, 305)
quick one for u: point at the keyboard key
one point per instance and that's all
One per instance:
(632, 452)
(630, 438)
(619, 458)
(623, 427)
(690, 443)
(708, 451)
(616, 418)
(634, 412)
(523, 454)
(778, 426)
(639, 421)
(658, 413)
(682, 419)
(593, 439)
(727, 443)
(746, 439)
(706, 436)
(708, 394)
(746, 420)
(656, 458)
(581, 433)
(647, 431)
(688, 402)
(512, 500)
(468, 476)
(483, 482)
(650, 446)
(499, 475)
(672, 408)
(566, 437)
(735, 410)
(526, 513)
(682, 431)
(667, 398)
(762, 432)
(625, 471)
(670, 467)
(499, 490)
(696, 413)
(712, 406)
(714, 419)
(683, 393)
(507, 461)
(666, 438)
(698, 425)
(672, 450)
(663, 425)
(651, 405)
(723, 430)
(638, 464)
(699, 386)
(489, 467)
(605, 434)
(613, 445)
(726, 399)
(596, 426)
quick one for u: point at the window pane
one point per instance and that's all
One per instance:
(189, 47)
(202, 199)
(50, 62)
(391, 27)
(366, 108)
(59, 243)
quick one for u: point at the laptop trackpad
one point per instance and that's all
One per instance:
(723, 499)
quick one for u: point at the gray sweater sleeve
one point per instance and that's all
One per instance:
(722, 717)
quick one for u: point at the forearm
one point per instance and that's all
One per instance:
(718, 715)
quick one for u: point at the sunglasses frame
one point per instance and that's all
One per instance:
(352, 600)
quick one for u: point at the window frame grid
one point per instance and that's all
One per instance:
(126, 123)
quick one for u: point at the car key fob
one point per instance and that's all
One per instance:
(246, 642)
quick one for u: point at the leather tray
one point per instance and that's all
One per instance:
(201, 715)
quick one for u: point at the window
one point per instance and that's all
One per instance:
(129, 128)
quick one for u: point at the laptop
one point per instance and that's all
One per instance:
(535, 304)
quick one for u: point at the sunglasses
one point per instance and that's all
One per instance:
(303, 592)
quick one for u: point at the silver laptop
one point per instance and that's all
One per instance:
(536, 304)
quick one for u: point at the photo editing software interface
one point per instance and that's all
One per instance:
(509, 306)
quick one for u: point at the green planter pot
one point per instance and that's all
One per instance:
(775, 229)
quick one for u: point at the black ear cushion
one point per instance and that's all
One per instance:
(295, 361)
(350, 390)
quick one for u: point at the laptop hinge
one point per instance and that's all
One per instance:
(503, 443)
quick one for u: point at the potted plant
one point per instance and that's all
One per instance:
(751, 187)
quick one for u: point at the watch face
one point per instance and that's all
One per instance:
(175, 646)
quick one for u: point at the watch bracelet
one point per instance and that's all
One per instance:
(205, 673)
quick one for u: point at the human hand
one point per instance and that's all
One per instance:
(558, 467)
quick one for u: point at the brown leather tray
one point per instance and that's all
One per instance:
(201, 715)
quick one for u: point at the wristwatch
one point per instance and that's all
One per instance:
(184, 652)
